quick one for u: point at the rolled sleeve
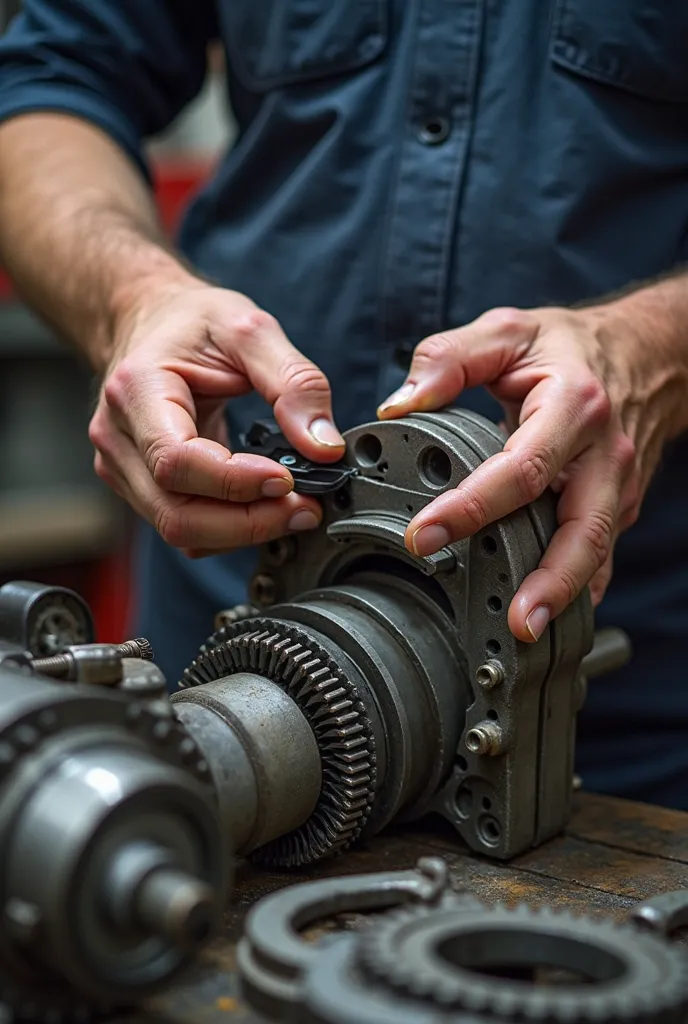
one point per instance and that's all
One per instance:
(127, 66)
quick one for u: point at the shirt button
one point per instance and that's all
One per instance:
(434, 130)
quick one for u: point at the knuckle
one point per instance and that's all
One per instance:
(506, 320)
(566, 585)
(172, 525)
(533, 475)
(118, 386)
(592, 396)
(303, 376)
(252, 324)
(624, 451)
(598, 531)
(97, 432)
(166, 465)
(436, 348)
(475, 511)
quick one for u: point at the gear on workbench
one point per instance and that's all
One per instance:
(332, 706)
(485, 961)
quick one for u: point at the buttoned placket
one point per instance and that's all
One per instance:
(431, 168)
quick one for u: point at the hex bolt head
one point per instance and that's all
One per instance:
(490, 674)
(485, 738)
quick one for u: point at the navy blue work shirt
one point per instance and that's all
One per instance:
(403, 166)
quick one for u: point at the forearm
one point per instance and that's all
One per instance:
(651, 320)
(79, 232)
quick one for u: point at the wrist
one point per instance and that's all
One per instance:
(643, 337)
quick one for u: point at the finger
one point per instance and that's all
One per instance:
(444, 364)
(156, 409)
(588, 514)
(294, 386)
(565, 420)
(601, 580)
(202, 523)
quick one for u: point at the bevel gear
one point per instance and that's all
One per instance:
(330, 702)
(484, 962)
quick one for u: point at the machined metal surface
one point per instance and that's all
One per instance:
(665, 914)
(273, 958)
(459, 717)
(113, 867)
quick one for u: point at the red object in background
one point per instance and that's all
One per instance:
(175, 183)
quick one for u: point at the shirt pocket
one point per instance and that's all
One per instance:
(637, 45)
(272, 43)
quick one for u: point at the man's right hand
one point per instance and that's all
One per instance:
(159, 428)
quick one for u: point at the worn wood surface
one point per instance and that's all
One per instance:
(613, 854)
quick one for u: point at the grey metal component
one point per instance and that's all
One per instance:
(330, 702)
(273, 958)
(485, 961)
(262, 754)
(85, 775)
(665, 914)
(96, 664)
(142, 679)
(520, 699)
(611, 650)
(43, 620)
(228, 616)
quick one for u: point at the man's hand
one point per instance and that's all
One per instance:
(590, 397)
(159, 429)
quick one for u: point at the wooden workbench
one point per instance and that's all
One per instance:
(613, 854)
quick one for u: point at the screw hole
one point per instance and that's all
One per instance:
(487, 803)
(489, 830)
(409, 508)
(503, 578)
(342, 499)
(461, 763)
(493, 647)
(489, 545)
(492, 715)
(368, 450)
(464, 801)
(405, 436)
(494, 603)
(383, 467)
(435, 467)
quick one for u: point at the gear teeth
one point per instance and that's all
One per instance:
(335, 712)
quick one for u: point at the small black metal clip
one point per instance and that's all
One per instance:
(265, 438)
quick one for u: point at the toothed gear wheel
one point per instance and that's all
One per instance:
(435, 954)
(331, 703)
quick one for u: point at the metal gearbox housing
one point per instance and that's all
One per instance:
(460, 717)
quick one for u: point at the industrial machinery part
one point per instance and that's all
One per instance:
(272, 956)
(463, 961)
(401, 687)
(665, 913)
(113, 869)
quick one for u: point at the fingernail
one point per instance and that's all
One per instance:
(399, 397)
(276, 487)
(324, 432)
(304, 519)
(537, 621)
(429, 539)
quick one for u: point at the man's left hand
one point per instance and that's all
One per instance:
(590, 397)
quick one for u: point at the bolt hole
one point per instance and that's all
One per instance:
(368, 450)
(493, 647)
(503, 578)
(461, 763)
(487, 803)
(489, 830)
(473, 741)
(435, 467)
(405, 436)
(409, 508)
(489, 545)
(492, 715)
(383, 467)
(464, 801)
(494, 603)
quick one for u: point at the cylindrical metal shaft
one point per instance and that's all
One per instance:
(611, 649)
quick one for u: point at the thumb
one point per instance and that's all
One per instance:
(444, 364)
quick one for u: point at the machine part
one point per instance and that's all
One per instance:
(486, 961)
(272, 957)
(611, 650)
(43, 620)
(228, 616)
(265, 438)
(113, 868)
(334, 744)
(462, 719)
(665, 914)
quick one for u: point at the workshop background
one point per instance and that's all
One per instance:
(58, 523)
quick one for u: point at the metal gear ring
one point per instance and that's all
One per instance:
(457, 961)
(331, 704)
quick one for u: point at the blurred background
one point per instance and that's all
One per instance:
(58, 523)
